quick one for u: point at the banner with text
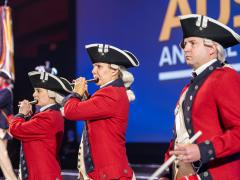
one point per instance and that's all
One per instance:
(151, 30)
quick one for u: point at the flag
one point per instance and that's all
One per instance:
(6, 41)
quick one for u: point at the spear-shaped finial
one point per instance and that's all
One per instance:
(5, 2)
(47, 64)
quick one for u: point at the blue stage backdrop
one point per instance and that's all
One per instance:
(150, 29)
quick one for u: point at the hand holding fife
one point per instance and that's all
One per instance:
(25, 108)
(80, 86)
(165, 165)
(186, 153)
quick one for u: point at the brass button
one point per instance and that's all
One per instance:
(104, 176)
(210, 151)
(191, 97)
(205, 174)
(207, 142)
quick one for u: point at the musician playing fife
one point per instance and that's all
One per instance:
(6, 109)
(209, 103)
(42, 134)
(103, 151)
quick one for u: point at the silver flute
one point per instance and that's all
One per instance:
(31, 102)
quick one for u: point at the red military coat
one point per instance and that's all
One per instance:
(106, 113)
(216, 112)
(41, 138)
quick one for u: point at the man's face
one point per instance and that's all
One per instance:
(196, 53)
(103, 73)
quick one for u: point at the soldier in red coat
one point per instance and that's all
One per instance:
(102, 150)
(42, 134)
(210, 104)
(6, 110)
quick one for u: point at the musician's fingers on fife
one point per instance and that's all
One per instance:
(23, 103)
(83, 81)
(80, 81)
(25, 107)
(77, 83)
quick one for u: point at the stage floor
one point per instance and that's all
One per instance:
(142, 172)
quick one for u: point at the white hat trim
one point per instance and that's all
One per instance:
(64, 87)
(134, 57)
(204, 22)
(237, 37)
(7, 73)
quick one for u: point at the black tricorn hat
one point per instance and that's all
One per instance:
(6, 75)
(195, 25)
(112, 55)
(49, 81)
